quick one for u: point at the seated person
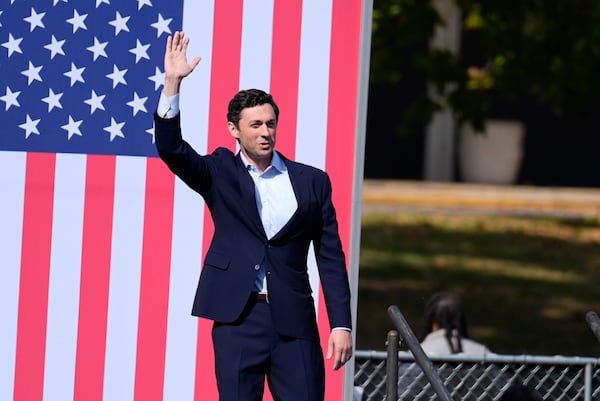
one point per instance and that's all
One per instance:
(445, 332)
(446, 327)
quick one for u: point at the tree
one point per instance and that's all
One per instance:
(512, 52)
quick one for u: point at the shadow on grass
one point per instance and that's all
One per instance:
(526, 283)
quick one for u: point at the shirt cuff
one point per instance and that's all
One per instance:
(168, 106)
(341, 328)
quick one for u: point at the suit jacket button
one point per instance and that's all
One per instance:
(257, 267)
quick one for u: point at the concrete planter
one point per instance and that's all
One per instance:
(494, 156)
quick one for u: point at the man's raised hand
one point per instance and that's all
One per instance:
(176, 64)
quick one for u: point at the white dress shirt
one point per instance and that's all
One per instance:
(275, 200)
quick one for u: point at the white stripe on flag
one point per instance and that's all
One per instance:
(65, 273)
(195, 91)
(182, 327)
(188, 214)
(257, 31)
(11, 230)
(125, 274)
(313, 91)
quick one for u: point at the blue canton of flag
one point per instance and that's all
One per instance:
(82, 76)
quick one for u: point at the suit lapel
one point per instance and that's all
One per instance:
(297, 178)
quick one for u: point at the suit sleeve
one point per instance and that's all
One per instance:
(179, 156)
(331, 262)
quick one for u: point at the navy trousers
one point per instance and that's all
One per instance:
(250, 349)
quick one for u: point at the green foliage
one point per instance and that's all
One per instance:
(397, 27)
(531, 50)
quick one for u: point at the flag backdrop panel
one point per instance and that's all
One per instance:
(101, 246)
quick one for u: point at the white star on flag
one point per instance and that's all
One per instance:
(162, 25)
(76, 74)
(99, 2)
(137, 104)
(32, 73)
(35, 20)
(117, 76)
(77, 21)
(72, 127)
(140, 51)
(142, 3)
(55, 47)
(53, 100)
(98, 48)
(13, 45)
(150, 131)
(115, 129)
(95, 102)
(10, 98)
(158, 78)
(120, 23)
(30, 126)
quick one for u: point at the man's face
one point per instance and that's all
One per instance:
(256, 133)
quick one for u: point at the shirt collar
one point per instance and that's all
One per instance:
(276, 163)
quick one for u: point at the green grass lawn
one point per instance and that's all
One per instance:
(526, 282)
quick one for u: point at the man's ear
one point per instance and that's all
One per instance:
(233, 130)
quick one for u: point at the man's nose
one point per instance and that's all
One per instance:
(266, 131)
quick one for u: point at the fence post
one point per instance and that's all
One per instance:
(423, 360)
(391, 378)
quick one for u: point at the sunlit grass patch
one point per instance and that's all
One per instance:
(526, 281)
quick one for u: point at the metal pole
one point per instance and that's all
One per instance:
(594, 323)
(420, 357)
(587, 389)
(391, 378)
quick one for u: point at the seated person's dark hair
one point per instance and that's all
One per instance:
(444, 310)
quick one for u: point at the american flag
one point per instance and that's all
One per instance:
(101, 245)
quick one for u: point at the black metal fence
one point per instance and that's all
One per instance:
(392, 375)
(480, 377)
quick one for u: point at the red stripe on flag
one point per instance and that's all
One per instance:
(154, 286)
(225, 70)
(343, 101)
(225, 77)
(341, 129)
(95, 276)
(35, 273)
(285, 70)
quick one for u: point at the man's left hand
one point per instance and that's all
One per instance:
(340, 347)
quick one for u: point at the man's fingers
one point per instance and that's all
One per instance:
(175, 42)
(340, 344)
(195, 62)
(169, 43)
(337, 362)
(341, 356)
(329, 349)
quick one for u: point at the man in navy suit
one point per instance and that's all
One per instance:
(254, 283)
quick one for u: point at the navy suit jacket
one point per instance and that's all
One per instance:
(239, 244)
